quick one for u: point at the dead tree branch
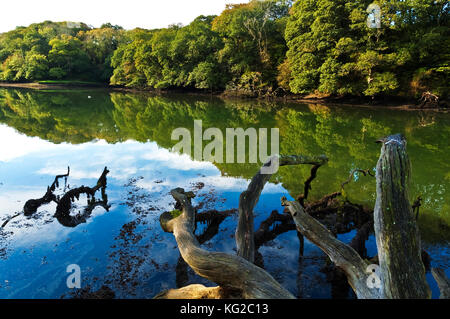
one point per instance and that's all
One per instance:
(32, 205)
(442, 281)
(341, 254)
(249, 198)
(65, 203)
(228, 271)
(213, 219)
(398, 242)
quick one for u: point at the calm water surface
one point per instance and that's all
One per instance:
(44, 132)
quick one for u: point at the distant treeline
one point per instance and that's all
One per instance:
(391, 47)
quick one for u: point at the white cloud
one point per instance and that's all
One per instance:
(173, 160)
(14, 145)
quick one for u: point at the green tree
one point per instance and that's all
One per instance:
(36, 66)
(253, 41)
(100, 45)
(333, 50)
(67, 58)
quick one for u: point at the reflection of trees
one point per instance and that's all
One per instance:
(59, 116)
(345, 135)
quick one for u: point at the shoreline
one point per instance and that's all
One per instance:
(396, 103)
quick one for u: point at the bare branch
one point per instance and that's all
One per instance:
(442, 281)
(248, 199)
(341, 254)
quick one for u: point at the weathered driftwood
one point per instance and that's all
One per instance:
(442, 281)
(397, 234)
(249, 198)
(341, 254)
(395, 228)
(213, 219)
(195, 291)
(228, 271)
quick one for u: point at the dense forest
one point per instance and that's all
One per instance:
(270, 47)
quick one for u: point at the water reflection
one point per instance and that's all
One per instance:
(44, 132)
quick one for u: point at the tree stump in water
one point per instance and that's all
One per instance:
(397, 234)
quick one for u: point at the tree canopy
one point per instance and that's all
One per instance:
(330, 47)
(58, 50)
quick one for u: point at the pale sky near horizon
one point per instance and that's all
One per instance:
(126, 13)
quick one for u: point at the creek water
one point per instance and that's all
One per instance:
(44, 132)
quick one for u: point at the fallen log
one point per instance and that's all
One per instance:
(213, 219)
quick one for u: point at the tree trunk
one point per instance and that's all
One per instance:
(397, 234)
(442, 281)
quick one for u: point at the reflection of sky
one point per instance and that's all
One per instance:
(28, 165)
(38, 250)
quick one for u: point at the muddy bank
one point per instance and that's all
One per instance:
(388, 102)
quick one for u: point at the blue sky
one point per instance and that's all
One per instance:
(127, 13)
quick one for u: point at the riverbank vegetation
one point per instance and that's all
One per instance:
(260, 48)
